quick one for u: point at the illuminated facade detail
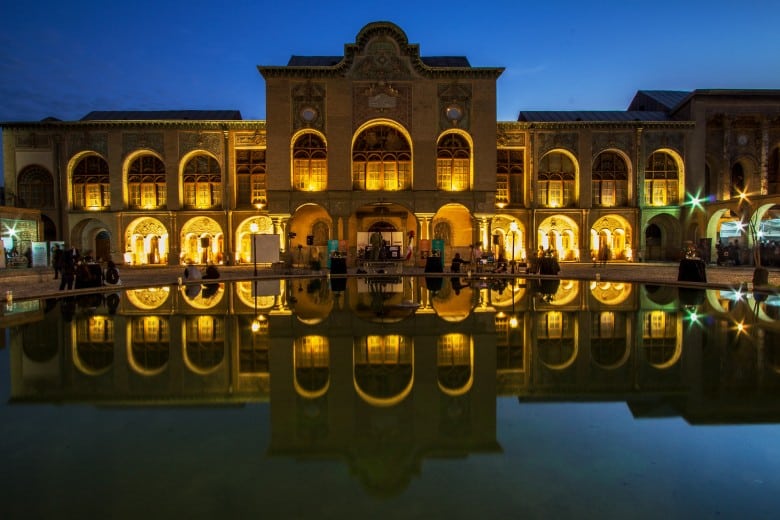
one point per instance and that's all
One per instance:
(150, 344)
(556, 338)
(614, 231)
(202, 183)
(148, 299)
(310, 163)
(510, 177)
(560, 235)
(311, 365)
(146, 183)
(609, 345)
(381, 160)
(253, 346)
(202, 242)
(91, 189)
(454, 361)
(383, 368)
(204, 343)
(94, 344)
(383, 124)
(36, 188)
(556, 181)
(661, 338)
(453, 163)
(610, 180)
(147, 242)
(662, 180)
(250, 177)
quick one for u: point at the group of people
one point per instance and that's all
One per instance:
(77, 272)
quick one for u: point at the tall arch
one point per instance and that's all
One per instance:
(382, 157)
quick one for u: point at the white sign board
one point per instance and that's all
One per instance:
(266, 249)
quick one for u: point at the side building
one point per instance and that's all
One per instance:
(382, 139)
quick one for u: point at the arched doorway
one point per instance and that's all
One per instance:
(653, 242)
(146, 242)
(615, 232)
(560, 235)
(202, 242)
(662, 238)
(103, 246)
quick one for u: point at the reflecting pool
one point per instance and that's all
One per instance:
(392, 397)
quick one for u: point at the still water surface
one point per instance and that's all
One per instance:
(396, 398)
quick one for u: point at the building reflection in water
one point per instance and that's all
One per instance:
(385, 372)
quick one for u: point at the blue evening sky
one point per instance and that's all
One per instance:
(65, 59)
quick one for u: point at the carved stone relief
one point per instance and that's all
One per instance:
(201, 225)
(250, 139)
(547, 141)
(381, 62)
(672, 140)
(454, 106)
(623, 141)
(33, 140)
(372, 100)
(92, 141)
(208, 141)
(133, 141)
(308, 106)
(505, 139)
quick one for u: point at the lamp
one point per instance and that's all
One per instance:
(253, 228)
(513, 230)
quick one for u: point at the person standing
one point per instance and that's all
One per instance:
(603, 254)
(56, 260)
(67, 272)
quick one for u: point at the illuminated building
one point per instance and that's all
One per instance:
(385, 139)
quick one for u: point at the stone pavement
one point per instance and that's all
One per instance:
(40, 283)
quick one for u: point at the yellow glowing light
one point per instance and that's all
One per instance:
(513, 322)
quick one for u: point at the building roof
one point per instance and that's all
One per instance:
(329, 61)
(159, 115)
(313, 61)
(658, 100)
(611, 116)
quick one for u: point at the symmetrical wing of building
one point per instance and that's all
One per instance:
(384, 139)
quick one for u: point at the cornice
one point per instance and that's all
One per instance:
(170, 124)
(604, 125)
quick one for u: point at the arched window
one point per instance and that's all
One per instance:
(737, 180)
(443, 231)
(453, 163)
(146, 187)
(202, 183)
(661, 180)
(90, 184)
(556, 180)
(381, 160)
(36, 188)
(310, 163)
(773, 173)
(610, 180)
(509, 177)
(250, 175)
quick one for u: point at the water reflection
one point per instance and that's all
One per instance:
(389, 371)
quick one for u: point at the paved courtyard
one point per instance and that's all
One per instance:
(39, 282)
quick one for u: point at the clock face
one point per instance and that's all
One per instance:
(742, 139)
(308, 114)
(453, 112)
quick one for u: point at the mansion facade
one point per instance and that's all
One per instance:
(384, 139)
